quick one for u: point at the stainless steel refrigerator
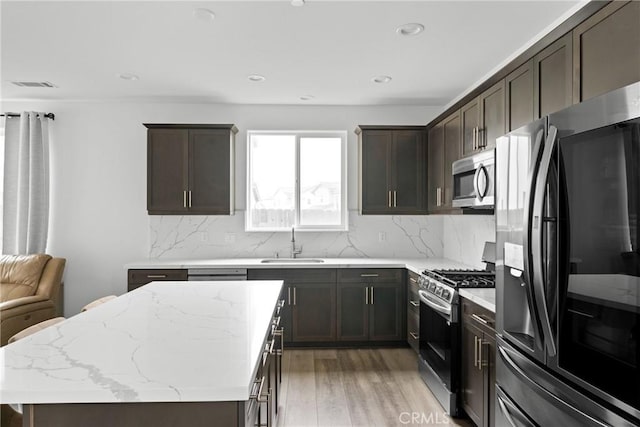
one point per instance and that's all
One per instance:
(568, 266)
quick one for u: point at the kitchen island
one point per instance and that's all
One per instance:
(165, 354)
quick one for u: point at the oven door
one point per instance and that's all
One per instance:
(439, 339)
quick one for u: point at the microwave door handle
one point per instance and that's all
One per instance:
(528, 206)
(482, 192)
(537, 227)
(475, 183)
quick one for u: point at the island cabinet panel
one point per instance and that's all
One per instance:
(478, 363)
(371, 305)
(309, 311)
(140, 277)
(190, 169)
(606, 50)
(393, 171)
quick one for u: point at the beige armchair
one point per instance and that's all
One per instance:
(30, 291)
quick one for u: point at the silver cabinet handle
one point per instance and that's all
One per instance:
(369, 275)
(481, 319)
(414, 303)
(184, 198)
(372, 296)
(475, 351)
(294, 296)
(480, 354)
(366, 295)
(189, 198)
(156, 276)
(389, 198)
(289, 296)
(395, 199)
(473, 139)
(580, 313)
(414, 335)
(413, 280)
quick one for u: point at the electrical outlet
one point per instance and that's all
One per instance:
(204, 236)
(229, 237)
(382, 236)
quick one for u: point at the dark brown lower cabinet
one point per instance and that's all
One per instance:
(140, 277)
(371, 305)
(309, 311)
(478, 363)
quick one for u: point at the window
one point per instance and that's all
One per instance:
(296, 179)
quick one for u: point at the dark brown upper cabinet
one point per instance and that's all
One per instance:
(392, 176)
(190, 169)
(483, 120)
(553, 77)
(519, 90)
(606, 50)
(444, 147)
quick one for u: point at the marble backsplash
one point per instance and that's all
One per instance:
(369, 236)
(465, 235)
(457, 237)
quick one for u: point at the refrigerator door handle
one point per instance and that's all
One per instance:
(528, 208)
(511, 412)
(537, 240)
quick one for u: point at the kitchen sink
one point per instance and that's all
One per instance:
(292, 261)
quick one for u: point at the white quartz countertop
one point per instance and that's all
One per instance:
(416, 265)
(482, 296)
(163, 342)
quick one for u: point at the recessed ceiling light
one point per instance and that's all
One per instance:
(204, 14)
(128, 76)
(306, 97)
(411, 29)
(297, 3)
(381, 79)
(256, 78)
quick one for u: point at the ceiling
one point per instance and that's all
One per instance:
(327, 49)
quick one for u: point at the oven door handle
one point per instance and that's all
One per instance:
(424, 297)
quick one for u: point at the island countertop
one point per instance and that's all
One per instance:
(164, 342)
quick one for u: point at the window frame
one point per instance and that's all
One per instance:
(299, 134)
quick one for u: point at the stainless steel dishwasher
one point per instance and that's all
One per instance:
(216, 274)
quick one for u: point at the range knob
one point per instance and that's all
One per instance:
(439, 291)
(446, 294)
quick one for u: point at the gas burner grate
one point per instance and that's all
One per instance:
(465, 278)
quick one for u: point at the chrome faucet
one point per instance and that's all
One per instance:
(294, 251)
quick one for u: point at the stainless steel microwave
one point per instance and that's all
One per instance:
(474, 181)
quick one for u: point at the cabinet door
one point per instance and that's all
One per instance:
(313, 311)
(353, 312)
(210, 166)
(489, 361)
(552, 77)
(386, 312)
(492, 115)
(376, 152)
(167, 178)
(520, 102)
(470, 116)
(408, 172)
(452, 143)
(473, 383)
(436, 167)
(606, 50)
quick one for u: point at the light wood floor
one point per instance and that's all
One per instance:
(356, 387)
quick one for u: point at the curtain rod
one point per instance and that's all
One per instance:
(47, 115)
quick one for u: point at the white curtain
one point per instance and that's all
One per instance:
(25, 219)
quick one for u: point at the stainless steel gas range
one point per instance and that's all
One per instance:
(439, 360)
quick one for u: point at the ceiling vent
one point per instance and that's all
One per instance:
(34, 84)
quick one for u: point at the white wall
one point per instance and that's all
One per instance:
(98, 215)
